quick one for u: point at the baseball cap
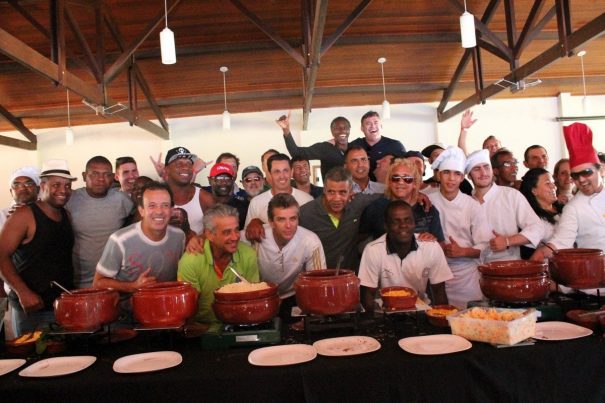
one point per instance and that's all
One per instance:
(179, 152)
(251, 169)
(412, 153)
(221, 168)
(426, 151)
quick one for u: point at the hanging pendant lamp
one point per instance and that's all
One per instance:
(386, 107)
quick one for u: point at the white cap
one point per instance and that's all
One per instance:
(30, 172)
(475, 158)
(452, 159)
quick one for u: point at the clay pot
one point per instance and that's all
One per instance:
(440, 320)
(321, 292)
(506, 268)
(86, 309)
(515, 289)
(246, 296)
(166, 304)
(248, 312)
(578, 268)
(398, 303)
(589, 322)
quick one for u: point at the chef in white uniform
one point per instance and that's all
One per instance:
(583, 218)
(506, 209)
(465, 228)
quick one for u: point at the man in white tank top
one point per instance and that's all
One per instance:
(179, 173)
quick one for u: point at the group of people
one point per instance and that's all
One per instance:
(374, 214)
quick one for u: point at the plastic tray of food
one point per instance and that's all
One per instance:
(494, 325)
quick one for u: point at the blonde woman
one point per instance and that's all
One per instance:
(403, 182)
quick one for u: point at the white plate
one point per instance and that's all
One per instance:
(147, 362)
(555, 331)
(58, 366)
(434, 344)
(282, 355)
(343, 346)
(7, 366)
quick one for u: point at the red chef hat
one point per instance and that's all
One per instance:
(578, 138)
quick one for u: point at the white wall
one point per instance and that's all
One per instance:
(518, 123)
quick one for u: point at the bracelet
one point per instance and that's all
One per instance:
(507, 243)
(549, 247)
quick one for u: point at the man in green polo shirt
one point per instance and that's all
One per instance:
(209, 270)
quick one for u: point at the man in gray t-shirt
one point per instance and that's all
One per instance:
(145, 252)
(97, 211)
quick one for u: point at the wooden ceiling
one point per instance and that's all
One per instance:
(107, 52)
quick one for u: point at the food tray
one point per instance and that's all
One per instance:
(495, 331)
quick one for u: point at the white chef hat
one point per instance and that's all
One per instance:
(28, 171)
(451, 159)
(475, 158)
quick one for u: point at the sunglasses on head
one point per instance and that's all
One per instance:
(398, 178)
(585, 173)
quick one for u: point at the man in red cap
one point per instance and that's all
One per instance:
(222, 179)
(583, 218)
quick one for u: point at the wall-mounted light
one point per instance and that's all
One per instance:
(167, 41)
(226, 115)
(386, 107)
(467, 29)
(69, 133)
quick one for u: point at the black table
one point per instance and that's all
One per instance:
(567, 371)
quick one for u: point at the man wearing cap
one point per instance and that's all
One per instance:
(280, 169)
(465, 228)
(358, 165)
(329, 153)
(221, 179)
(97, 210)
(35, 249)
(382, 167)
(126, 173)
(24, 185)
(583, 219)
(431, 153)
(512, 220)
(179, 174)
(373, 142)
(252, 181)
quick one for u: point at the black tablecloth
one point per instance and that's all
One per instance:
(566, 371)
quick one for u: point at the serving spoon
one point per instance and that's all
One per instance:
(54, 283)
(241, 278)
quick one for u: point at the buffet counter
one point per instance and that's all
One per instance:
(565, 371)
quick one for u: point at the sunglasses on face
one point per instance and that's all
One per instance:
(585, 173)
(250, 180)
(398, 178)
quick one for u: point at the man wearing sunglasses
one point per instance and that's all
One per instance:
(583, 218)
(24, 185)
(252, 181)
(512, 220)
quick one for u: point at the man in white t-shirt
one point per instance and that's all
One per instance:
(287, 249)
(280, 169)
(397, 259)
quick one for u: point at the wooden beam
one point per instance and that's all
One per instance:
(493, 50)
(563, 25)
(90, 58)
(124, 58)
(100, 46)
(30, 58)
(18, 124)
(575, 40)
(11, 142)
(269, 32)
(331, 40)
(527, 27)
(29, 18)
(321, 12)
(536, 31)
(149, 96)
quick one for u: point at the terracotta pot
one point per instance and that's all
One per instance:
(589, 322)
(440, 320)
(87, 309)
(246, 296)
(578, 268)
(398, 303)
(515, 288)
(321, 292)
(249, 312)
(167, 304)
(505, 268)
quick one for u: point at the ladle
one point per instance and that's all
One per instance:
(54, 283)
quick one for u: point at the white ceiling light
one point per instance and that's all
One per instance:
(226, 115)
(167, 41)
(386, 107)
(69, 133)
(586, 106)
(467, 29)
